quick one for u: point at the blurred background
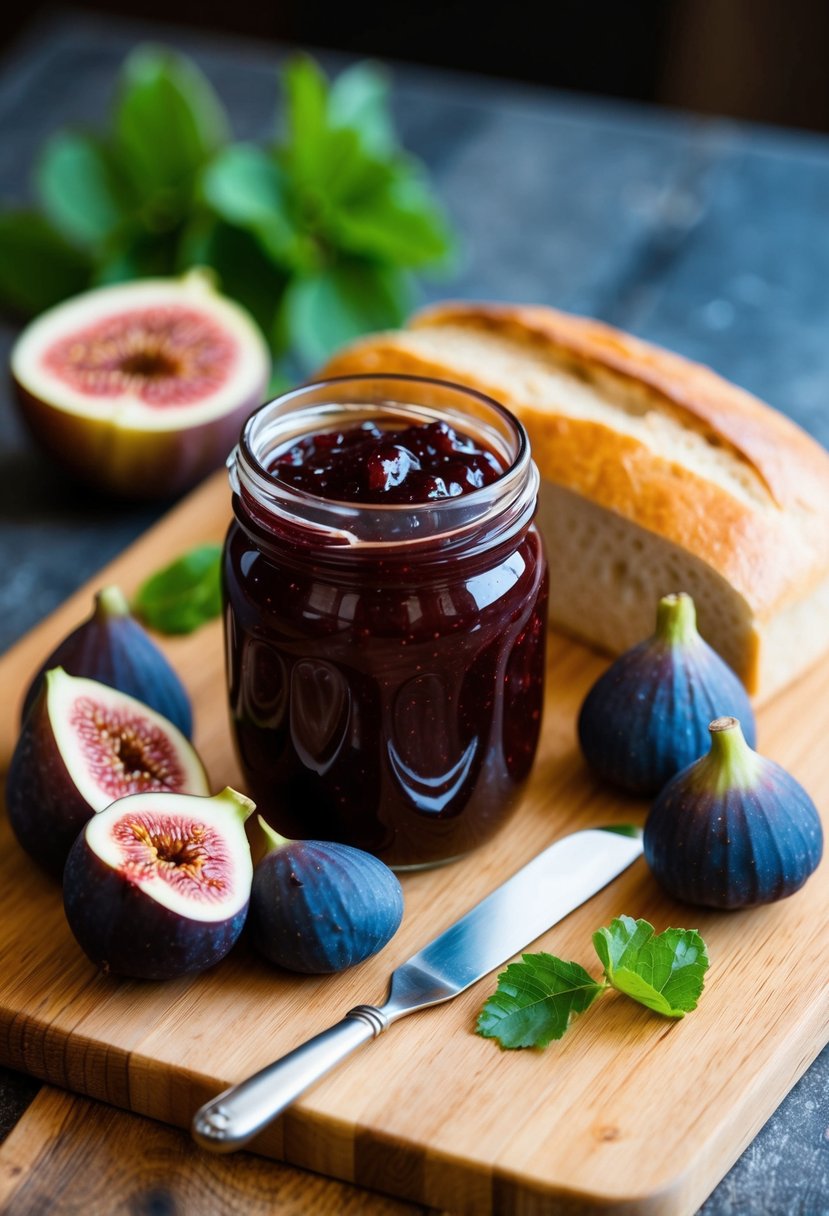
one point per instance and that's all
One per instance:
(758, 59)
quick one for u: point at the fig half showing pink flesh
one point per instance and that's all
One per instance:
(141, 388)
(157, 885)
(83, 745)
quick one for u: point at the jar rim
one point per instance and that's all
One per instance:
(341, 519)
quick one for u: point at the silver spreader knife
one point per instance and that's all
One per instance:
(538, 896)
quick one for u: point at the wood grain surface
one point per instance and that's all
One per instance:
(69, 1156)
(628, 1113)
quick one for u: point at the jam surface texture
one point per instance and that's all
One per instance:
(364, 464)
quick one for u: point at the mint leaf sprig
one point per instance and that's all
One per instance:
(184, 594)
(318, 233)
(537, 999)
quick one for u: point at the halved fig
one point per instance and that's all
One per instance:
(157, 885)
(141, 388)
(84, 745)
(112, 647)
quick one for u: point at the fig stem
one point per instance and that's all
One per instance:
(676, 619)
(54, 676)
(275, 841)
(240, 804)
(731, 764)
(111, 601)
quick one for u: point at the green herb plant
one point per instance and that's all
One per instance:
(184, 595)
(318, 233)
(537, 999)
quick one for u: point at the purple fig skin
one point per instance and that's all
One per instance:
(114, 649)
(135, 466)
(734, 829)
(646, 717)
(318, 907)
(46, 810)
(125, 932)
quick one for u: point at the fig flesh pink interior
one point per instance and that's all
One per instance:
(190, 854)
(112, 745)
(126, 753)
(155, 354)
(185, 852)
(164, 355)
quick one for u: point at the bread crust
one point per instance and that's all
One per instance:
(773, 549)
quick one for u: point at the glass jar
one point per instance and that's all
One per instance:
(385, 662)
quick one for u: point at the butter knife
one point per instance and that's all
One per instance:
(536, 897)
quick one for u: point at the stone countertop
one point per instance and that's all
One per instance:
(704, 235)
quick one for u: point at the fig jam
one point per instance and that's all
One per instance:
(421, 463)
(385, 611)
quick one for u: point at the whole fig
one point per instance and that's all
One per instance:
(111, 647)
(734, 829)
(318, 907)
(647, 716)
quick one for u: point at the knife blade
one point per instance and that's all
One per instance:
(538, 896)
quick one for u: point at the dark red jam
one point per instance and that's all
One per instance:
(386, 695)
(420, 463)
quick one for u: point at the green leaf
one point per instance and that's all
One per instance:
(243, 273)
(358, 98)
(246, 187)
(185, 594)
(326, 160)
(168, 120)
(323, 311)
(396, 226)
(343, 170)
(81, 191)
(136, 254)
(536, 1000)
(664, 971)
(196, 241)
(37, 266)
(306, 96)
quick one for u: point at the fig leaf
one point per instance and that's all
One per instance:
(168, 120)
(664, 971)
(81, 189)
(329, 219)
(242, 272)
(536, 1000)
(326, 309)
(399, 223)
(245, 187)
(306, 105)
(135, 254)
(37, 267)
(359, 99)
(184, 595)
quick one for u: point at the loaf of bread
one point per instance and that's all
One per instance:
(657, 476)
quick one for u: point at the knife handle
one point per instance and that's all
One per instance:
(229, 1121)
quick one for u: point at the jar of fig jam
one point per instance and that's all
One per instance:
(385, 615)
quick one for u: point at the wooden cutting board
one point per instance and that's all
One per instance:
(629, 1113)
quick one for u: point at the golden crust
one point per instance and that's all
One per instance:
(771, 552)
(780, 452)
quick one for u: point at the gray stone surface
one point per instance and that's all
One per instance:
(707, 236)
